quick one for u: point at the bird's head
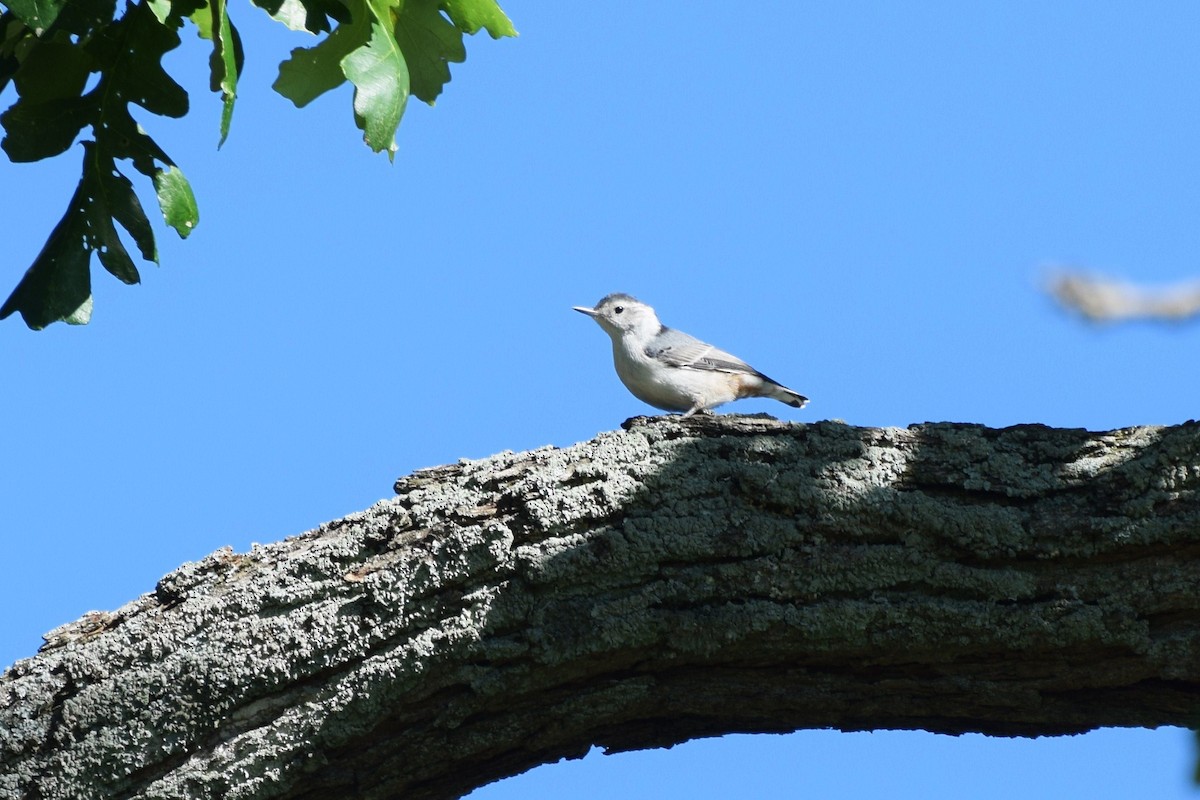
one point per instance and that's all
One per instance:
(621, 315)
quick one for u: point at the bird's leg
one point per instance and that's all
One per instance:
(693, 410)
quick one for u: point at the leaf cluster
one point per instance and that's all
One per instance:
(86, 68)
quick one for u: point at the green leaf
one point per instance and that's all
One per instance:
(162, 9)
(53, 70)
(225, 61)
(14, 35)
(112, 189)
(37, 14)
(471, 15)
(312, 71)
(122, 204)
(223, 64)
(407, 49)
(130, 52)
(34, 131)
(84, 17)
(172, 12)
(381, 84)
(429, 42)
(388, 49)
(308, 15)
(203, 20)
(291, 13)
(58, 286)
(176, 200)
(50, 112)
(121, 137)
(107, 195)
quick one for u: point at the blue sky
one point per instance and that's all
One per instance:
(861, 199)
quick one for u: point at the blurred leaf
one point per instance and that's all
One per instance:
(312, 71)
(381, 83)
(177, 201)
(429, 42)
(471, 15)
(37, 14)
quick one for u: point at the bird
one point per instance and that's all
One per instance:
(672, 370)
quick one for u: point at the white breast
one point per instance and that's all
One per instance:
(670, 388)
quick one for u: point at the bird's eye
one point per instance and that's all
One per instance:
(618, 309)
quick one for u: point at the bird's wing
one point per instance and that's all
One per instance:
(681, 350)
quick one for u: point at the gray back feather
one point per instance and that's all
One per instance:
(678, 349)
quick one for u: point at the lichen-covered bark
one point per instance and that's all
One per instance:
(679, 578)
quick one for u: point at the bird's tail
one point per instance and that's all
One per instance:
(786, 395)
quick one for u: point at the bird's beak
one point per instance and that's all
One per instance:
(591, 312)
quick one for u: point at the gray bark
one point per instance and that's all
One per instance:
(676, 579)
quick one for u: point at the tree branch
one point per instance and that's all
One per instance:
(676, 579)
(1100, 299)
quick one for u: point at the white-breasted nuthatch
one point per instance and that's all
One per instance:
(674, 371)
